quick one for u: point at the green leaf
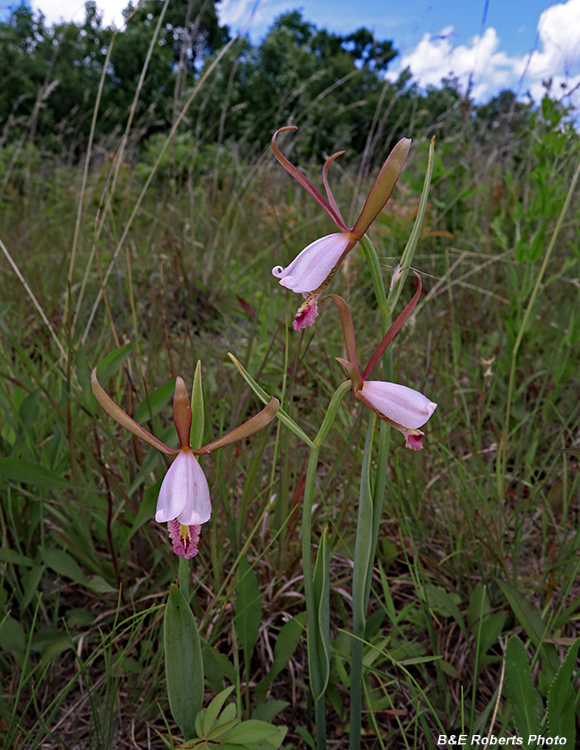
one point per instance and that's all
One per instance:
(491, 628)
(562, 699)
(27, 472)
(479, 606)
(183, 662)
(11, 556)
(100, 586)
(534, 626)
(146, 509)
(250, 731)
(288, 639)
(113, 362)
(216, 665)
(28, 410)
(220, 729)
(64, 564)
(154, 402)
(268, 711)
(248, 616)
(321, 590)
(445, 604)
(30, 581)
(520, 689)
(212, 711)
(227, 715)
(12, 635)
(197, 410)
(307, 737)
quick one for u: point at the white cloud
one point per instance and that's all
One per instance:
(490, 69)
(236, 12)
(436, 57)
(74, 10)
(559, 32)
(559, 57)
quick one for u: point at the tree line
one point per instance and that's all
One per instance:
(332, 86)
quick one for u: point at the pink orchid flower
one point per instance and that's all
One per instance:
(313, 269)
(184, 500)
(403, 408)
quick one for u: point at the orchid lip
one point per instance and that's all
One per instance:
(184, 493)
(398, 403)
(312, 267)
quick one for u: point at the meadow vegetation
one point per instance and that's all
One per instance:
(148, 253)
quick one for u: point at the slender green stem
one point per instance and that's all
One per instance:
(363, 560)
(370, 511)
(184, 577)
(313, 660)
(376, 276)
(318, 679)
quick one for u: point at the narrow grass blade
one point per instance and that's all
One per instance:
(263, 396)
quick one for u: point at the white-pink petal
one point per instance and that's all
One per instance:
(400, 404)
(309, 270)
(184, 493)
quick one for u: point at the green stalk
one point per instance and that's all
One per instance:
(318, 662)
(184, 578)
(363, 562)
(313, 655)
(369, 518)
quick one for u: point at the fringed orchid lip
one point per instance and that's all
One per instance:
(184, 501)
(314, 268)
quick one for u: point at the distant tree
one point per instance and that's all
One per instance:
(52, 73)
(191, 28)
(327, 84)
(22, 69)
(49, 75)
(503, 111)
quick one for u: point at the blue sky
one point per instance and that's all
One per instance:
(500, 43)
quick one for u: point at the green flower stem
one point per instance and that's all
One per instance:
(184, 577)
(376, 276)
(313, 655)
(363, 562)
(370, 512)
(317, 661)
(331, 412)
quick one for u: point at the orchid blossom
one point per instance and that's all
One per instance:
(403, 408)
(184, 499)
(313, 269)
